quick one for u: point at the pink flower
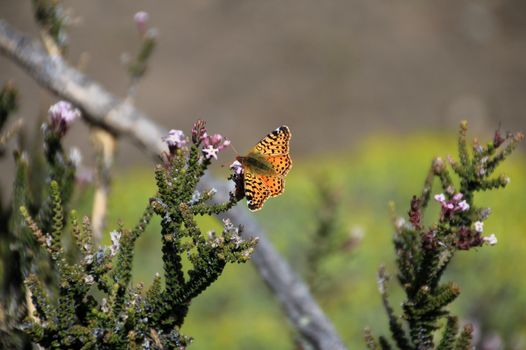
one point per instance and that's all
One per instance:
(479, 226)
(61, 115)
(216, 141)
(463, 206)
(491, 240)
(452, 206)
(237, 167)
(441, 198)
(457, 197)
(141, 20)
(175, 139)
(213, 144)
(210, 152)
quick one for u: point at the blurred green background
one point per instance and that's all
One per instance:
(372, 90)
(238, 312)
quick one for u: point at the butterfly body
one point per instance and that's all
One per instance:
(265, 168)
(257, 164)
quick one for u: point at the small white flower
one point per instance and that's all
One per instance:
(104, 305)
(237, 167)
(61, 115)
(458, 197)
(441, 198)
(167, 217)
(236, 240)
(463, 206)
(479, 226)
(141, 17)
(247, 252)
(88, 259)
(491, 240)
(399, 223)
(115, 238)
(64, 112)
(89, 279)
(217, 242)
(175, 138)
(196, 196)
(210, 152)
(75, 156)
(227, 223)
(49, 240)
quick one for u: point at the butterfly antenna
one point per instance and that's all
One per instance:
(234, 149)
(235, 152)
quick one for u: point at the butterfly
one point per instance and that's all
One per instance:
(265, 167)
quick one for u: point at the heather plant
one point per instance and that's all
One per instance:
(69, 314)
(63, 296)
(34, 171)
(424, 251)
(329, 240)
(62, 289)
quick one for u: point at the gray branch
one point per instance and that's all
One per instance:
(123, 119)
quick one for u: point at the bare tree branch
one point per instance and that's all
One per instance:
(123, 119)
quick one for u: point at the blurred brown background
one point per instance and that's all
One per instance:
(334, 71)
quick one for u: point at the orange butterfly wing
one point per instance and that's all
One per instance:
(281, 164)
(275, 148)
(256, 191)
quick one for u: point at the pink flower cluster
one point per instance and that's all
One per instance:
(175, 140)
(212, 144)
(455, 205)
(61, 115)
